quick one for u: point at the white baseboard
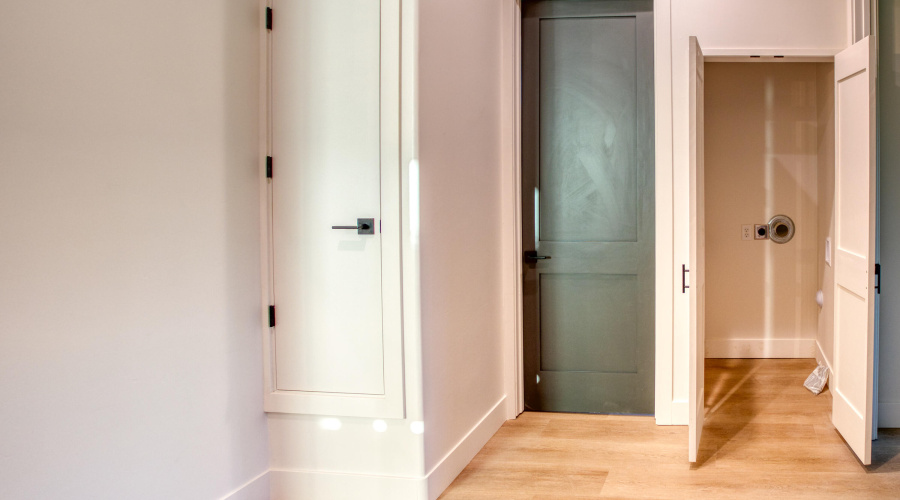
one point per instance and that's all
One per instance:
(316, 485)
(254, 489)
(761, 348)
(822, 359)
(680, 412)
(888, 415)
(446, 470)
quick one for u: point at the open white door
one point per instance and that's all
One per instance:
(854, 264)
(698, 253)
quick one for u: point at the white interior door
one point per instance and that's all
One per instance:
(696, 269)
(327, 173)
(335, 148)
(854, 264)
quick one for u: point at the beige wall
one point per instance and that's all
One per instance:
(825, 118)
(761, 160)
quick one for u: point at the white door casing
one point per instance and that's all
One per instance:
(854, 247)
(697, 280)
(336, 348)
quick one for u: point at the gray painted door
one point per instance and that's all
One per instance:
(588, 203)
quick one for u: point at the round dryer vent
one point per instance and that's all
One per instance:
(781, 229)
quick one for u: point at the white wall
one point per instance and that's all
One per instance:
(460, 157)
(761, 160)
(889, 163)
(130, 358)
(732, 26)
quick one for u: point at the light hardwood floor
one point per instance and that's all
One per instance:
(765, 436)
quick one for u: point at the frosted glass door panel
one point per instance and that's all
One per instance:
(326, 149)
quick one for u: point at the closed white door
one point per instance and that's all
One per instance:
(330, 102)
(854, 253)
(694, 276)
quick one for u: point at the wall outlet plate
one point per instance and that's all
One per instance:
(761, 232)
(747, 232)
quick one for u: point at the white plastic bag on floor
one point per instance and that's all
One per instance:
(816, 380)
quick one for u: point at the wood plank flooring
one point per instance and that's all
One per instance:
(765, 436)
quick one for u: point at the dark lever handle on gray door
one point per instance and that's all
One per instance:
(363, 226)
(532, 256)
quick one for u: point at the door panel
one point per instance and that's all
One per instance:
(587, 119)
(854, 264)
(588, 188)
(576, 308)
(697, 267)
(326, 146)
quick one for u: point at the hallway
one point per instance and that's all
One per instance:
(765, 436)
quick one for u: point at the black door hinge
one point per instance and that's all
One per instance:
(268, 167)
(271, 316)
(878, 279)
(684, 285)
(269, 18)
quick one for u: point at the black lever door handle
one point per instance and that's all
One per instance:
(363, 226)
(532, 256)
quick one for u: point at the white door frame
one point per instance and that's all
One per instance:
(511, 206)
(511, 213)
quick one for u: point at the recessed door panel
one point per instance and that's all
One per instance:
(589, 323)
(588, 129)
(326, 143)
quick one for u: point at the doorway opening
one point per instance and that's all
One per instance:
(768, 183)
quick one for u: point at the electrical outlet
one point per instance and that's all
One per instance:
(747, 232)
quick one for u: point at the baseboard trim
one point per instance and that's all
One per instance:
(821, 358)
(254, 489)
(446, 470)
(317, 485)
(761, 348)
